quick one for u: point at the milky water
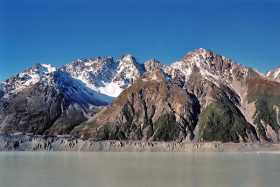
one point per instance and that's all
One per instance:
(139, 169)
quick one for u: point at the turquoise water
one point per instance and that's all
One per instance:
(26, 169)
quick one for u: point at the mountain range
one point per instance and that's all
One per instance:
(203, 97)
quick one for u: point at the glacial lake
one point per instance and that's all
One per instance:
(69, 169)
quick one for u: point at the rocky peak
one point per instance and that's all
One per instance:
(91, 71)
(129, 63)
(156, 75)
(128, 69)
(211, 64)
(105, 75)
(127, 59)
(41, 69)
(29, 77)
(198, 55)
(152, 65)
(202, 57)
(88, 65)
(100, 62)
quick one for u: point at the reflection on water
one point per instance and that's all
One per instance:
(139, 169)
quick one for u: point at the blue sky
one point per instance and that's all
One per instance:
(59, 31)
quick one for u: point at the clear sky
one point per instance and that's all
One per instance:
(59, 31)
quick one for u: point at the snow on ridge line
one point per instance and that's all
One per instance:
(111, 80)
(49, 67)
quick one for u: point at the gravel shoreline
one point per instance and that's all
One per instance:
(23, 142)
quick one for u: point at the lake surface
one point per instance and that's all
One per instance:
(38, 169)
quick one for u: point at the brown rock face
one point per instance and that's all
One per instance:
(151, 109)
(155, 108)
(152, 65)
(195, 101)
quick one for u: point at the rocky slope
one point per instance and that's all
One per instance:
(47, 100)
(151, 109)
(203, 97)
(54, 106)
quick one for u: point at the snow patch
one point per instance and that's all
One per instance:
(33, 79)
(112, 89)
(49, 68)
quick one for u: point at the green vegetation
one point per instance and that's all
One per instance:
(166, 129)
(266, 113)
(221, 122)
(266, 95)
(110, 132)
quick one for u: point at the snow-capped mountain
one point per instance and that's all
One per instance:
(210, 65)
(203, 97)
(49, 100)
(207, 96)
(106, 78)
(29, 77)
(104, 75)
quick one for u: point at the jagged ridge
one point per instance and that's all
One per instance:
(203, 97)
